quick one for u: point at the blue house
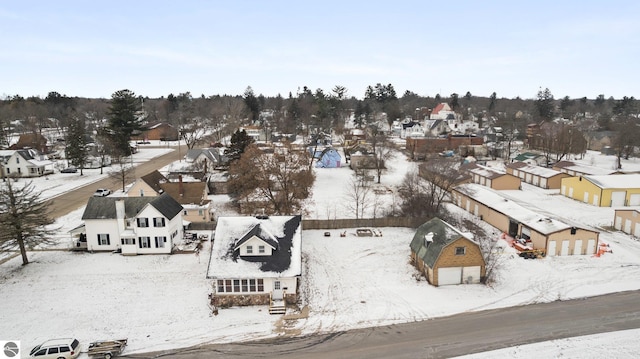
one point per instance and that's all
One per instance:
(329, 158)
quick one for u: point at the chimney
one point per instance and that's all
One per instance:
(180, 186)
(120, 213)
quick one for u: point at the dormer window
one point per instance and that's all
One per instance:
(249, 249)
(261, 249)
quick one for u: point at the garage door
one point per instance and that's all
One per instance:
(471, 275)
(617, 223)
(634, 199)
(617, 198)
(543, 182)
(449, 276)
(577, 247)
(551, 251)
(564, 250)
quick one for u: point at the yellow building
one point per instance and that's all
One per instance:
(604, 191)
(628, 221)
(540, 230)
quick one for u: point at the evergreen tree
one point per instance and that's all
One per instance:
(252, 103)
(76, 149)
(23, 218)
(545, 105)
(124, 120)
(239, 142)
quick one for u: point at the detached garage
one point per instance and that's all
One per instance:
(446, 256)
(628, 221)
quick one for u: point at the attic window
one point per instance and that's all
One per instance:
(460, 251)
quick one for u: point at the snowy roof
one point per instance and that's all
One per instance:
(486, 171)
(282, 232)
(615, 181)
(529, 216)
(534, 170)
(588, 170)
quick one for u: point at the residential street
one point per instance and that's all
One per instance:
(444, 337)
(70, 201)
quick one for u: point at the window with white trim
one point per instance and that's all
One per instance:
(144, 242)
(143, 222)
(261, 249)
(128, 241)
(158, 222)
(103, 239)
(160, 241)
(460, 251)
(249, 249)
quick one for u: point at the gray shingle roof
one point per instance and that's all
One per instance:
(439, 233)
(105, 207)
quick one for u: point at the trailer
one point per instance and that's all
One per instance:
(106, 349)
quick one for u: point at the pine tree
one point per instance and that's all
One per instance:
(124, 120)
(23, 218)
(76, 150)
(239, 142)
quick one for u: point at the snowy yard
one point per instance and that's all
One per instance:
(160, 302)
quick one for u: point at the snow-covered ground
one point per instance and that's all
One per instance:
(160, 302)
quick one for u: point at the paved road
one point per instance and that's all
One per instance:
(71, 201)
(443, 337)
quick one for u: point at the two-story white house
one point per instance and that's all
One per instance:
(27, 163)
(133, 225)
(256, 261)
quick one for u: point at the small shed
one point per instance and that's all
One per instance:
(446, 256)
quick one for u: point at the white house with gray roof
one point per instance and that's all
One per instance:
(26, 163)
(133, 225)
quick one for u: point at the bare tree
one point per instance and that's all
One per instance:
(357, 195)
(279, 180)
(423, 193)
(382, 152)
(193, 131)
(123, 173)
(23, 218)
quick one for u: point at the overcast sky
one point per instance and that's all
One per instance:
(154, 48)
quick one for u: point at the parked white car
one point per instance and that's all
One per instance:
(67, 348)
(102, 192)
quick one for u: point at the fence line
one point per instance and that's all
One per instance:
(411, 222)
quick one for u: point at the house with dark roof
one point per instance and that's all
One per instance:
(147, 185)
(193, 196)
(31, 141)
(256, 261)
(27, 163)
(445, 255)
(132, 225)
(159, 131)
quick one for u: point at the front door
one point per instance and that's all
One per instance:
(277, 290)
